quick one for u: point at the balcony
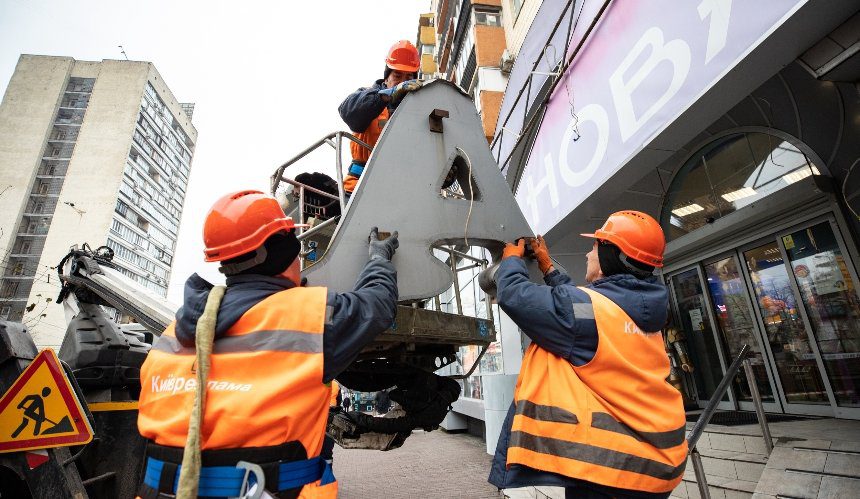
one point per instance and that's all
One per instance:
(33, 232)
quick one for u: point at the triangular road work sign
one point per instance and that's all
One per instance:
(41, 409)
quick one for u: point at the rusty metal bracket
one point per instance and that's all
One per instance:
(436, 120)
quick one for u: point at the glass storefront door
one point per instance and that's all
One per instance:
(693, 319)
(787, 336)
(793, 297)
(827, 284)
(737, 325)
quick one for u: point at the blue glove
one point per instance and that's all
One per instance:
(398, 92)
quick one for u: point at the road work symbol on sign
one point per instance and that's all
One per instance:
(41, 410)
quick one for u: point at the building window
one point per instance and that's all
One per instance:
(9, 289)
(728, 174)
(488, 18)
(427, 49)
(468, 78)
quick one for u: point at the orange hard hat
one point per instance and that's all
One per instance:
(240, 222)
(636, 234)
(403, 56)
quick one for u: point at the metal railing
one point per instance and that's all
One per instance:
(336, 144)
(711, 408)
(335, 140)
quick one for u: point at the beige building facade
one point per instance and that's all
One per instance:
(90, 152)
(517, 17)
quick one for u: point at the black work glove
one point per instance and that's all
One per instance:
(382, 249)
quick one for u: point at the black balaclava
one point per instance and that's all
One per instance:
(281, 249)
(612, 263)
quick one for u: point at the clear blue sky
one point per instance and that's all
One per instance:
(266, 76)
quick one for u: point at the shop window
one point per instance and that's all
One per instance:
(728, 174)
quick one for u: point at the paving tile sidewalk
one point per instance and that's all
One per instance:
(434, 465)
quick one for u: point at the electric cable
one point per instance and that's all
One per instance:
(471, 196)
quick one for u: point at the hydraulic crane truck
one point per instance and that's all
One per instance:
(431, 177)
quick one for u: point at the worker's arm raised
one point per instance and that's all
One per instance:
(551, 275)
(358, 316)
(362, 107)
(557, 278)
(556, 318)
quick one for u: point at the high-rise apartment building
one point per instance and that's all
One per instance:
(468, 51)
(90, 152)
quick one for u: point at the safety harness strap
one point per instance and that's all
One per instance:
(226, 481)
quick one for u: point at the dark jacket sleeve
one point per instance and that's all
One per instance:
(558, 318)
(557, 277)
(361, 107)
(358, 316)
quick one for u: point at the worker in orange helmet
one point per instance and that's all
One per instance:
(277, 346)
(592, 410)
(367, 110)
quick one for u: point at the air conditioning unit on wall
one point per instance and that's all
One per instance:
(507, 62)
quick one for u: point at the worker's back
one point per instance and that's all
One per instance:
(266, 401)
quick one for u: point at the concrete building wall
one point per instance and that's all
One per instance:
(26, 114)
(517, 24)
(93, 178)
(172, 102)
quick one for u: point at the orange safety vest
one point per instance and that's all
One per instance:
(614, 421)
(360, 155)
(335, 390)
(265, 383)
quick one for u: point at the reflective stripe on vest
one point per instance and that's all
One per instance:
(360, 155)
(265, 384)
(614, 421)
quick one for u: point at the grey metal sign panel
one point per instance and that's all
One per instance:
(401, 189)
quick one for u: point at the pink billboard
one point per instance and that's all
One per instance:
(644, 64)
